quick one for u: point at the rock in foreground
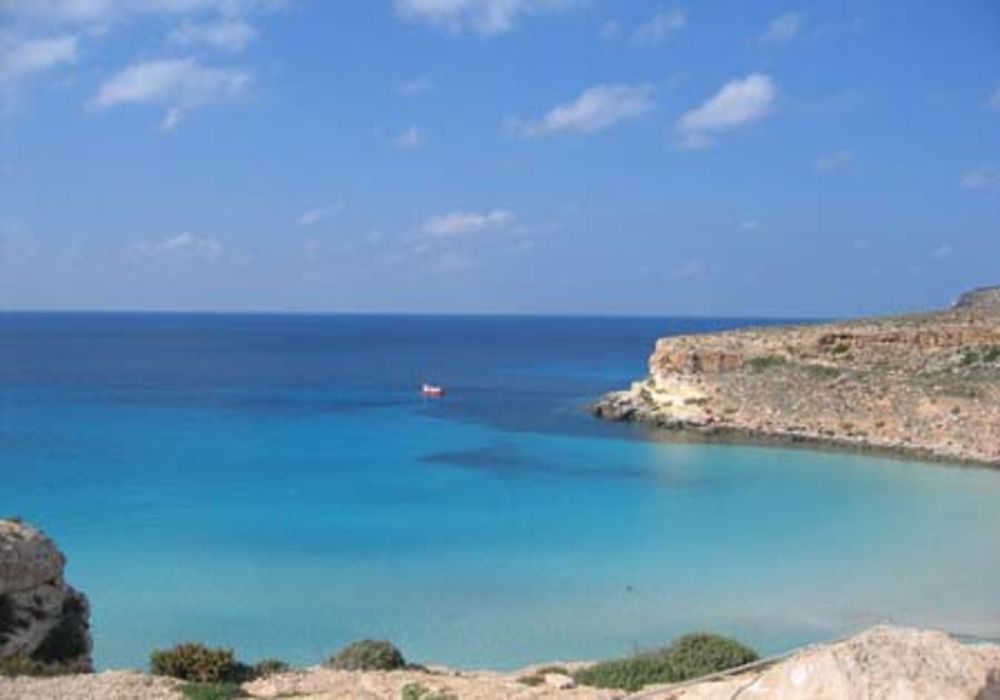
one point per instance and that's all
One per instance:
(884, 663)
(43, 621)
(925, 384)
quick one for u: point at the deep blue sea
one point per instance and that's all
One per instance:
(277, 484)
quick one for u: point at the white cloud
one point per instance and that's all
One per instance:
(485, 17)
(172, 119)
(689, 270)
(836, 161)
(783, 28)
(661, 27)
(612, 29)
(410, 139)
(21, 58)
(597, 108)
(181, 246)
(748, 226)
(414, 86)
(984, 178)
(739, 102)
(317, 214)
(311, 217)
(942, 251)
(460, 223)
(180, 85)
(230, 34)
(993, 102)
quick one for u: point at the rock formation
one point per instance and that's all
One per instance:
(42, 619)
(927, 384)
(883, 663)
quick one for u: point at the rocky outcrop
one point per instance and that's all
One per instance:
(42, 619)
(883, 663)
(982, 298)
(927, 384)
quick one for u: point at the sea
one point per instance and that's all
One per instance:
(278, 485)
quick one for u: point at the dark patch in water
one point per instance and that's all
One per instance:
(505, 461)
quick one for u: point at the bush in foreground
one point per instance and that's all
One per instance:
(368, 655)
(212, 691)
(418, 691)
(538, 677)
(269, 667)
(690, 656)
(199, 663)
(21, 665)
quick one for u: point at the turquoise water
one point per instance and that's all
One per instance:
(277, 485)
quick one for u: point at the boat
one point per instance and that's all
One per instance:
(432, 391)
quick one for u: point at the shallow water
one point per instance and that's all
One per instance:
(276, 484)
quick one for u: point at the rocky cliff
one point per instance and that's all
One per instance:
(43, 621)
(927, 384)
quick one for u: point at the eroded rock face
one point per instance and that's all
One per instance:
(985, 298)
(41, 617)
(925, 383)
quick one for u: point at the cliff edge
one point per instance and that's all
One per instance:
(43, 621)
(925, 384)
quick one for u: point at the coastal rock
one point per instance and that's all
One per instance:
(983, 298)
(41, 617)
(927, 384)
(884, 663)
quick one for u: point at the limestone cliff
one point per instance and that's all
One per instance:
(41, 618)
(927, 384)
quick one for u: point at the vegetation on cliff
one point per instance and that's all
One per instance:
(690, 656)
(368, 655)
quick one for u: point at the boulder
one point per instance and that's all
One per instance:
(42, 619)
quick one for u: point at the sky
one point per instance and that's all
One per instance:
(604, 157)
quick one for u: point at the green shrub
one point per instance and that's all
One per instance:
(23, 666)
(368, 655)
(629, 674)
(700, 654)
(199, 663)
(269, 667)
(414, 691)
(763, 362)
(690, 656)
(212, 691)
(418, 691)
(968, 357)
(822, 371)
(538, 677)
(991, 354)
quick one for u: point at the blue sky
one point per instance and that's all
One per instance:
(539, 156)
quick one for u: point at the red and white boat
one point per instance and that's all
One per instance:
(432, 390)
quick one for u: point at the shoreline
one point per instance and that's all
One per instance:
(656, 430)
